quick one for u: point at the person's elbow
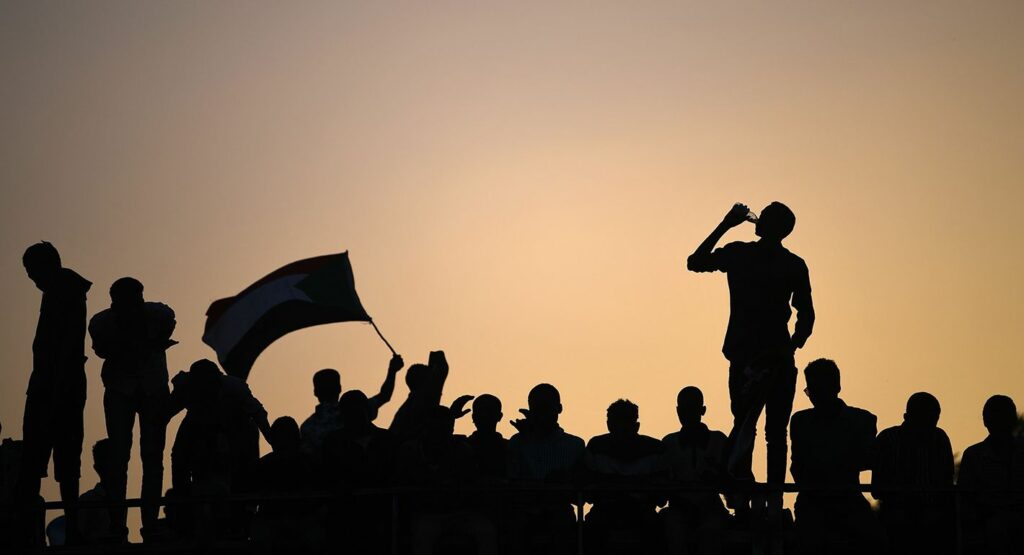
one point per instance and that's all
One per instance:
(696, 263)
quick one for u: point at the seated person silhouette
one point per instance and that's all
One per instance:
(359, 455)
(542, 453)
(694, 457)
(915, 454)
(832, 444)
(623, 456)
(95, 526)
(327, 390)
(489, 447)
(132, 337)
(992, 476)
(426, 384)
(286, 526)
(439, 459)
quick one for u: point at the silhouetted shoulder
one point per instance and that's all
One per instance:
(800, 417)
(70, 285)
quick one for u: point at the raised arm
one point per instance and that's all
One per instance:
(702, 259)
(388, 387)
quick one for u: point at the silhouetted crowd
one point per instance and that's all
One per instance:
(339, 481)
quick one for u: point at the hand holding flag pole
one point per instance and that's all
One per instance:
(382, 338)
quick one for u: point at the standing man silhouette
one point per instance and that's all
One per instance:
(132, 338)
(765, 280)
(55, 400)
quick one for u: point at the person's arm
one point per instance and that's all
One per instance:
(387, 389)
(702, 259)
(804, 308)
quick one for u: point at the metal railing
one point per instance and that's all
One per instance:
(580, 494)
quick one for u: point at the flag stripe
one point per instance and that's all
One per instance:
(247, 309)
(304, 267)
(277, 322)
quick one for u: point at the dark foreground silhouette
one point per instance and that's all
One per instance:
(341, 483)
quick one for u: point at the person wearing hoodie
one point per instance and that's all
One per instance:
(55, 400)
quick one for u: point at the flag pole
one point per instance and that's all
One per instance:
(381, 335)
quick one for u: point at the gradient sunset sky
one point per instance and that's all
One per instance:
(519, 184)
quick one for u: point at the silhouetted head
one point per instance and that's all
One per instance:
(486, 412)
(354, 409)
(776, 222)
(922, 410)
(440, 425)
(327, 385)
(1000, 415)
(415, 376)
(690, 406)
(205, 375)
(822, 378)
(623, 418)
(126, 295)
(103, 459)
(285, 436)
(545, 405)
(42, 264)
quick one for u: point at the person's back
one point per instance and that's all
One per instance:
(832, 444)
(623, 456)
(992, 475)
(915, 454)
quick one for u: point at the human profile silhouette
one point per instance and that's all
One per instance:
(55, 400)
(766, 282)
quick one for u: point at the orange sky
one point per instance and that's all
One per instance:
(519, 185)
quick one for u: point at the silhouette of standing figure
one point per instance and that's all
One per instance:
(56, 389)
(132, 338)
(764, 280)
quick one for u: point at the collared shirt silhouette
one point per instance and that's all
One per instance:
(765, 280)
(132, 337)
(55, 402)
(832, 444)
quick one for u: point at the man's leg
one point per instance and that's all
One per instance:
(778, 407)
(37, 437)
(119, 414)
(67, 459)
(152, 439)
(745, 412)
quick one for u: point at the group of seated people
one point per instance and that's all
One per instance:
(488, 494)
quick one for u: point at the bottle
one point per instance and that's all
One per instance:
(748, 214)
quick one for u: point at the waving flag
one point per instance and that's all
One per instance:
(306, 293)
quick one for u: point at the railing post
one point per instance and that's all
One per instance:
(958, 514)
(579, 522)
(394, 523)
